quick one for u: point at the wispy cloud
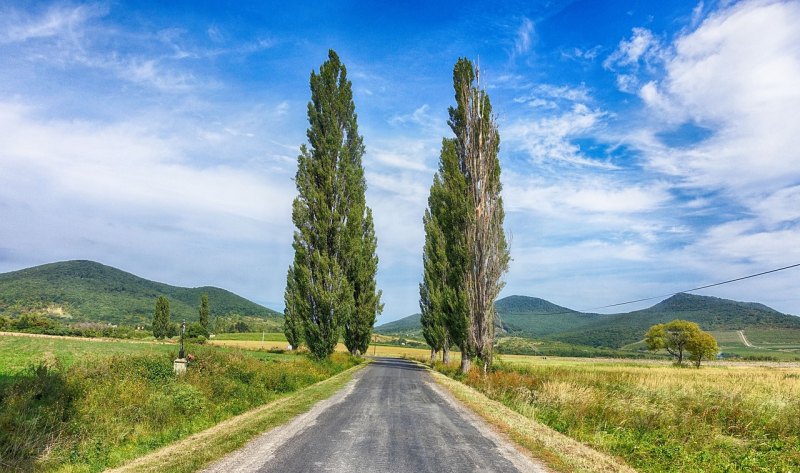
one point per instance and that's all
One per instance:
(59, 20)
(524, 38)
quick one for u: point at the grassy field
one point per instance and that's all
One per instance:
(252, 336)
(657, 417)
(84, 405)
(17, 353)
(374, 349)
(769, 344)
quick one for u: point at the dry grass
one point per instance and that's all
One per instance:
(558, 451)
(374, 350)
(738, 417)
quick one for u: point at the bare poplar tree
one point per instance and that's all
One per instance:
(478, 143)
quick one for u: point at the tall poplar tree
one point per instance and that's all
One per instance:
(161, 318)
(204, 311)
(295, 304)
(442, 298)
(434, 279)
(477, 145)
(331, 283)
(465, 211)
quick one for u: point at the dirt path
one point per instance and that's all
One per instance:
(745, 340)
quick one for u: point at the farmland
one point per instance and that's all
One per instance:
(658, 417)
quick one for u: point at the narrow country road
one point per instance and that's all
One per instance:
(391, 418)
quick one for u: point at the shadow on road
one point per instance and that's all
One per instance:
(397, 363)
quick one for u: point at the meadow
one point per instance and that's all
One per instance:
(277, 341)
(655, 416)
(85, 405)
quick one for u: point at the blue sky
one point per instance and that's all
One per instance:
(647, 147)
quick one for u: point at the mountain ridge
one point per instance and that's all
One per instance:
(532, 317)
(88, 291)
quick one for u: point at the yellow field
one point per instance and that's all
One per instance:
(374, 350)
(726, 416)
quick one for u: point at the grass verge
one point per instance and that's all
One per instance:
(558, 451)
(201, 449)
(90, 411)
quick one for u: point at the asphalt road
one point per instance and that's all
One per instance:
(390, 418)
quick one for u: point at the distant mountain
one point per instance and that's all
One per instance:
(90, 291)
(409, 326)
(711, 313)
(532, 317)
(536, 318)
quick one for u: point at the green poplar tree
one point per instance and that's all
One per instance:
(434, 278)
(362, 268)
(161, 325)
(204, 311)
(466, 212)
(292, 323)
(331, 281)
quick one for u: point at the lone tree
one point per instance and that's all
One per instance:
(331, 283)
(161, 325)
(702, 346)
(204, 311)
(680, 336)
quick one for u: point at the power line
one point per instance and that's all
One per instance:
(694, 289)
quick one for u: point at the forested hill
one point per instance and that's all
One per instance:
(537, 318)
(711, 313)
(90, 291)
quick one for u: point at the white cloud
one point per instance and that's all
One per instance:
(524, 38)
(737, 75)
(56, 21)
(642, 46)
(549, 138)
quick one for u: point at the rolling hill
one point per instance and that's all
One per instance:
(532, 317)
(711, 313)
(86, 291)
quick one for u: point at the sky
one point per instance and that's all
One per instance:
(646, 147)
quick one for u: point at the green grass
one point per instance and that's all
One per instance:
(780, 337)
(252, 336)
(17, 353)
(102, 404)
(199, 450)
(658, 417)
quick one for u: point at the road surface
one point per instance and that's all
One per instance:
(391, 418)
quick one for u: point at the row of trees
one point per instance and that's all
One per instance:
(465, 252)
(681, 337)
(330, 286)
(163, 328)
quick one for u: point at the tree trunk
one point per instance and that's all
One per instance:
(354, 352)
(446, 355)
(433, 355)
(466, 363)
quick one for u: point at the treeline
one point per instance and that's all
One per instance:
(36, 323)
(465, 252)
(330, 286)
